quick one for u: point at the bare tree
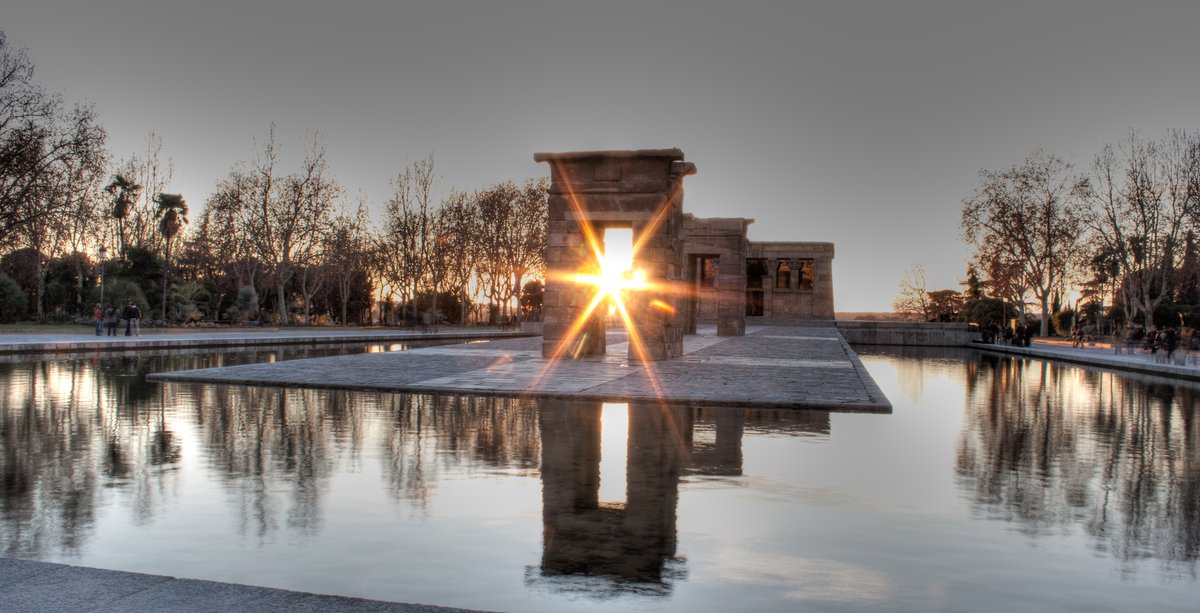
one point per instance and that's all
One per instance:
(495, 209)
(1030, 216)
(83, 188)
(526, 249)
(348, 252)
(912, 301)
(219, 253)
(407, 234)
(459, 223)
(1006, 279)
(40, 143)
(1143, 195)
(512, 238)
(282, 217)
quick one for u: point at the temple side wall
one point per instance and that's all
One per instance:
(802, 298)
(725, 298)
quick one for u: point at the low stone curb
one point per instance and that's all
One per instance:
(1091, 358)
(26, 585)
(149, 342)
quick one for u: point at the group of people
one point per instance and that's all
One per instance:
(1166, 340)
(1021, 336)
(109, 319)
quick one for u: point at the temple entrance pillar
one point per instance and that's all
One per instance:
(594, 190)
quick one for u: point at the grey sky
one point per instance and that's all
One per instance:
(860, 123)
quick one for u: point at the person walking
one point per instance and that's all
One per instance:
(135, 319)
(127, 313)
(98, 316)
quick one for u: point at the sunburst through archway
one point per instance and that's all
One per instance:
(612, 276)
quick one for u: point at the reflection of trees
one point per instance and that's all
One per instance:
(49, 469)
(77, 430)
(262, 441)
(429, 435)
(80, 433)
(1050, 447)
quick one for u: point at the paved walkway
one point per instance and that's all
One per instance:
(792, 367)
(86, 340)
(1182, 364)
(41, 586)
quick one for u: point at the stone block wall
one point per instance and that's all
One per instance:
(796, 301)
(642, 190)
(725, 240)
(915, 334)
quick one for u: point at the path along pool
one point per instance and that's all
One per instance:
(996, 483)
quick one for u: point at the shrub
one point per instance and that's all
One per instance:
(123, 291)
(1063, 321)
(13, 300)
(246, 305)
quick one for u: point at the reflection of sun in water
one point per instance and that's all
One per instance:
(614, 453)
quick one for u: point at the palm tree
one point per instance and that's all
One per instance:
(172, 216)
(124, 193)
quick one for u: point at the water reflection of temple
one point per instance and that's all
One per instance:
(630, 544)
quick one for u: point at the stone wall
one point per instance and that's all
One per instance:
(802, 298)
(915, 334)
(722, 239)
(594, 190)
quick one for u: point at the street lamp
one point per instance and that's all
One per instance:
(103, 252)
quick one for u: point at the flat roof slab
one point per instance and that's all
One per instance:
(802, 367)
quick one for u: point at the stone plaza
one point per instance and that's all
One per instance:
(771, 366)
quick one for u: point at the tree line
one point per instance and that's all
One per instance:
(1117, 238)
(271, 243)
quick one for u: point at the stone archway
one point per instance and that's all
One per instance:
(590, 190)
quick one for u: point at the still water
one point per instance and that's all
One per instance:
(996, 484)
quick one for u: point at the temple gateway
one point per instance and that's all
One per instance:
(694, 269)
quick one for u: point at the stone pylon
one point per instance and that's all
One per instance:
(642, 190)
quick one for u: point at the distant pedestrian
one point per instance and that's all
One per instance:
(98, 316)
(112, 317)
(128, 315)
(135, 319)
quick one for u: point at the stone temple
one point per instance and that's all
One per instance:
(696, 269)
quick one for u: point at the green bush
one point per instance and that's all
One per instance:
(55, 297)
(13, 300)
(123, 291)
(189, 302)
(246, 305)
(1063, 322)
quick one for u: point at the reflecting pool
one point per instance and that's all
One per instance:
(996, 484)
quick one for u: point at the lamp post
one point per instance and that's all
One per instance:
(103, 252)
